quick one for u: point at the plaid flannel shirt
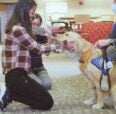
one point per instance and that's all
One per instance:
(17, 47)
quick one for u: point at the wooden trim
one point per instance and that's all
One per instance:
(3, 7)
(7, 1)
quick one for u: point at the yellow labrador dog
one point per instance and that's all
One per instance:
(84, 52)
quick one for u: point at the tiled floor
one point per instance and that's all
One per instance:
(61, 65)
(69, 89)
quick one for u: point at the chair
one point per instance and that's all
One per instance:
(82, 18)
(79, 20)
(60, 29)
(108, 17)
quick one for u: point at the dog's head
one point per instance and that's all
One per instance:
(79, 44)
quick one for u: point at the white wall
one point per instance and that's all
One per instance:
(4, 15)
(92, 7)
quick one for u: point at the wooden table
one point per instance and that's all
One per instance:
(66, 18)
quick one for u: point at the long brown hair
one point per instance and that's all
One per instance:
(21, 16)
(38, 16)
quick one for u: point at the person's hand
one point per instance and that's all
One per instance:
(113, 1)
(47, 53)
(102, 43)
(69, 45)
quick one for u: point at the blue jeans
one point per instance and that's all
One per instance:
(42, 77)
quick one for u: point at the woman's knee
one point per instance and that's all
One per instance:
(47, 84)
(45, 81)
(45, 104)
(49, 103)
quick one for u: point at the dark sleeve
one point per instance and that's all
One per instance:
(112, 34)
(42, 39)
(113, 42)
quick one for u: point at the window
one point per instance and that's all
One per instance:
(54, 11)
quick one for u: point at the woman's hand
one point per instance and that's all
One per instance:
(69, 45)
(47, 53)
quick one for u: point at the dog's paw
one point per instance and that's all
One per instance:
(89, 102)
(98, 106)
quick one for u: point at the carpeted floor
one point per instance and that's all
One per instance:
(69, 90)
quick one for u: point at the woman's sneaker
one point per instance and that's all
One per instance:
(4, 97)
